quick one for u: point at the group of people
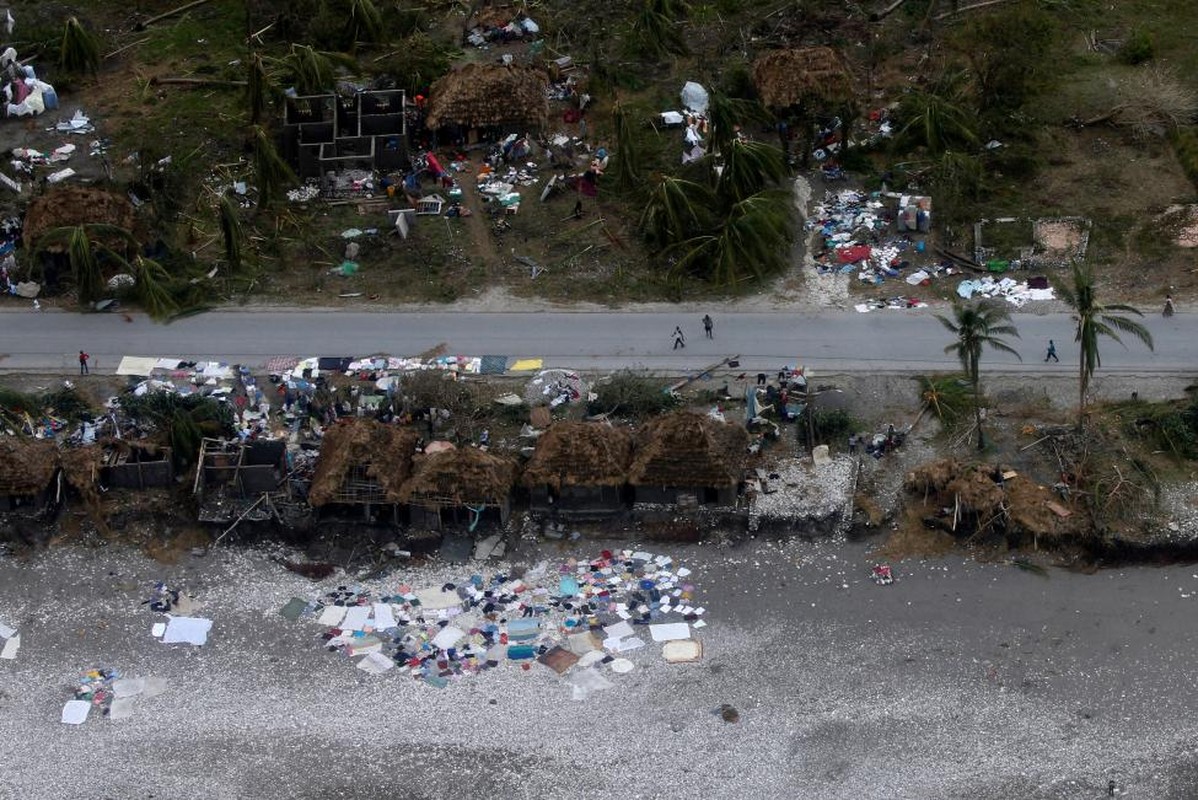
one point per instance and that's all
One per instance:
(680, 338)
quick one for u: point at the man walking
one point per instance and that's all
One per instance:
(679, 338)
(83, 357)
(1052, 352)
(708, 325)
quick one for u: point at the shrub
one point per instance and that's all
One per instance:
(629, 394)
(1138, 49)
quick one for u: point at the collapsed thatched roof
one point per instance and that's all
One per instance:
(490, 94)
(786, 78)
(580, 454)
(1017, 504)
(26, 465)
(465, 476)
(67, 206)
(687, 449)
(381, 453)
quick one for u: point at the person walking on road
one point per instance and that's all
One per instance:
(679, 338)
(83, 357)
(1052, 352)
(708, 325)
(1168, 305)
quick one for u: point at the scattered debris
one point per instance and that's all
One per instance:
(573, 619)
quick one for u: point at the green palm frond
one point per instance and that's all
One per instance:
(655, 28)
(231, 232)
(749, 168)
(152, 287)
(270, 171)
(365, 22)
(676, 211)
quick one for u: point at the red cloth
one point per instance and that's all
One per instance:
(434, 166)
(851, 255)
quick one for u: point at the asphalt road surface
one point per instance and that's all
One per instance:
(833, 341)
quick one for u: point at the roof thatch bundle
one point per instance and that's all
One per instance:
(67, 206)
(688, 449)
(787, 78)
(580, 454)
(466, 476)
(26, 465)
(382, 454)
(490, 94)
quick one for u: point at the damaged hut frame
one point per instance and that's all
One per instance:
(579, 470)
(363, 463)
(460, 485)
(688, 459)
(241, 480)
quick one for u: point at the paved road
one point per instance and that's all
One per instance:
(828, 341)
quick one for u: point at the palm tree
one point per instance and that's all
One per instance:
(655, 28)
(1094, 319)
(270, 170)
(82, 244)
(749, 242)
(628, 156)
(677, 209)
(258, 89)
(978, 325)
(231, 232)
(938, 118)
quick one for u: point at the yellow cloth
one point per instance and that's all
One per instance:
(526, 364)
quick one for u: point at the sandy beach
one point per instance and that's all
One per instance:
(961, 680)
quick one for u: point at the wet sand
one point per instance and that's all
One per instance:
(959, 681)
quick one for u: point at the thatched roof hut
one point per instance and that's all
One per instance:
(464, 476)
(688, 449)
(26, 465)
(67, 206)
(786, 78)
(480, 95)
(362, 461)
(580, 454)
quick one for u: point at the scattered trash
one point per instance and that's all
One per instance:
(1016, 293)
(107, 691)
(10, 642)
(185, 630)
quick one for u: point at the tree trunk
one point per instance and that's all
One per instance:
(977, 413)
(1083, 381)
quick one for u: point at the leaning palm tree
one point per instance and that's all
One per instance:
(270, 170)
(1094, 319)
(152, 288)
(978, 325)
(231, 232)
(628, 156)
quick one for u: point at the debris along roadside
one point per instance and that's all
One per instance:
(584, 620)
